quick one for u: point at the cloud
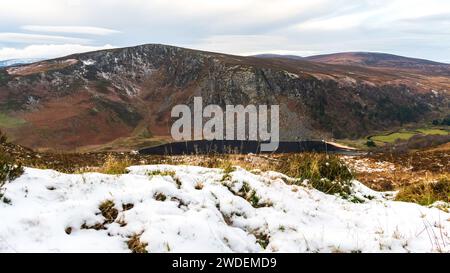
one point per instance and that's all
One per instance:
(406, 27)
(72, 29)
(47, 51)
(335, 23)
(249, 45)
(13, 37)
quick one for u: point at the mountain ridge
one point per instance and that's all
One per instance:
(100, 97)
(19, 61)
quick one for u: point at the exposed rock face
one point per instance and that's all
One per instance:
(98, 97)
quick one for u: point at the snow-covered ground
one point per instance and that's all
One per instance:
(195, 209)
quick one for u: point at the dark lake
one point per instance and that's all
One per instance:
(240, 147)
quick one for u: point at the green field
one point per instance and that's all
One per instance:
(407, 134)
(393, 137)
(433, 131)
(10, 122)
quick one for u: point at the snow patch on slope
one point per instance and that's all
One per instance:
(203, 213)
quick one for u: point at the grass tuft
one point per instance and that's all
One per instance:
(161, 173)
(108, 211)
(136, 245)
(113, 165)
(160, 197)
(326, 173)
(199, 186)
(426, 193)
(262, 238)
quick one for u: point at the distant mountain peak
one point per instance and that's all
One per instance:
(376, 59)
(11, 62)
(93, 99)
(281, 56)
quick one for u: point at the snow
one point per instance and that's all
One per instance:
(291, 75)
(366, 165)
(202, 213)
(88, 62)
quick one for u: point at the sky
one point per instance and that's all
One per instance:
(53, 28)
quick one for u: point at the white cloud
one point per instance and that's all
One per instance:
(47, 51)
(238, 44)
(72, 29)
(12, 37)
(250, 45)
(237, 26)
(335, 23)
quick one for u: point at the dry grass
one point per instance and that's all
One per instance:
(160, 197)
(426, 192)
(326, 173)
(136, 245)
(161, 173)
(108, 210)
(114, 165)
(199, 186)
(228, 161)
(386, 172)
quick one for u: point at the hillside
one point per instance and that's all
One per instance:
(383, 60)
(124, 96)
(192, 209)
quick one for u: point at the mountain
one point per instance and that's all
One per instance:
(382, 60)
(12, 62)
(280, 56)
(123, 97)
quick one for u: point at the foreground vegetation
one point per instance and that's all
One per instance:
(427, 192)
(9, 168)
(415, 174)
(326, 173)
